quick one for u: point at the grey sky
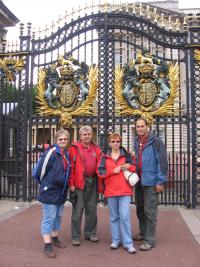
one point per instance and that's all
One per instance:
(43, 12)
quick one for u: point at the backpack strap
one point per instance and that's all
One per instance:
(102, 165)
(67, 172)
(78, 151)
(45, 162)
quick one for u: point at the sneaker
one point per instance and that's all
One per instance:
(58, 243)
(48, 251)
(114, 245)
(92, 238)
(131, 250)
(76, 242)
(138, 237)
(146, 247)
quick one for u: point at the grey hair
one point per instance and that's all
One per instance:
(85, 129)
(59, 133)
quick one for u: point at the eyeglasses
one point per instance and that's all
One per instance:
(62, 139)
(115, 142)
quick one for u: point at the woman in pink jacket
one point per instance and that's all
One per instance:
(117, 191)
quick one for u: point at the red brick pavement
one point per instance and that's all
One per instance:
(21, 244)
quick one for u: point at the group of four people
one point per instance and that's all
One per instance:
(86, 171)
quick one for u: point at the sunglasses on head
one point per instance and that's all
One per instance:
(62, 139)
(115, 141)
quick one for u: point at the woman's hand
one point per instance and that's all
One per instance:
(117, 169)
(125, 167)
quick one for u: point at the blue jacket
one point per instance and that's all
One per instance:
(54, 185)
(154, 161)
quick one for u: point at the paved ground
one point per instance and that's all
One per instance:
(192, 219)
(21, 244)
(9, 208)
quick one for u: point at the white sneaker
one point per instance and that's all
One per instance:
(114, 245)
(131, 250)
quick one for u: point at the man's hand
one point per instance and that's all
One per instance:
(159, 188)
(72, 188)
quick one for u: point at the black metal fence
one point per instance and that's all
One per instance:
(107, 38)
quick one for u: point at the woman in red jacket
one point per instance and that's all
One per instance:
(117, 191)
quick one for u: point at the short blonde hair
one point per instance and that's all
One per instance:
(59, 133)
(114, 136)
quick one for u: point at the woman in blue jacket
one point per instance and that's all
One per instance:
(53, 190)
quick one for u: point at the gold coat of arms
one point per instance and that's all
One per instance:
(146, 87)
(67, 88)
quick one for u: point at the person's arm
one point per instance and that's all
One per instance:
(161, 177)
(72, 156)
(50, 161)
(162, 165)
(41, 162)
(103, 173)
(128, 167)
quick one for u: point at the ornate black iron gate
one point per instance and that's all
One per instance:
(107, 38)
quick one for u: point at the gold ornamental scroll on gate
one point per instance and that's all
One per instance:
(197, 55)
(67, 89)
(147, 87)
(10, 67)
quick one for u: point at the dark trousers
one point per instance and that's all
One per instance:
(85, 200)
(146, 208)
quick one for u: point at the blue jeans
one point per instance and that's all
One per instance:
(52, 215)
(120, 220)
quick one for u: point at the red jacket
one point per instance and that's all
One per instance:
(115, 184)
(78, 169)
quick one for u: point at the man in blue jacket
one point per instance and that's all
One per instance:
(152, 167)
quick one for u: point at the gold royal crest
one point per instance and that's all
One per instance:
(66, 92)
(147, 87)
(147, 93)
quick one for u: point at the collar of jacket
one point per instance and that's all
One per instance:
(109, 150)
(78, 144)
(58, 150)
(152, 137)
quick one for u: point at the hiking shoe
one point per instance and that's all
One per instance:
(138, 237)
(131, 250)
(58, 243)
(92, 238)
(76, 242)
(114, 245)
(146, 247)
(48, 251)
